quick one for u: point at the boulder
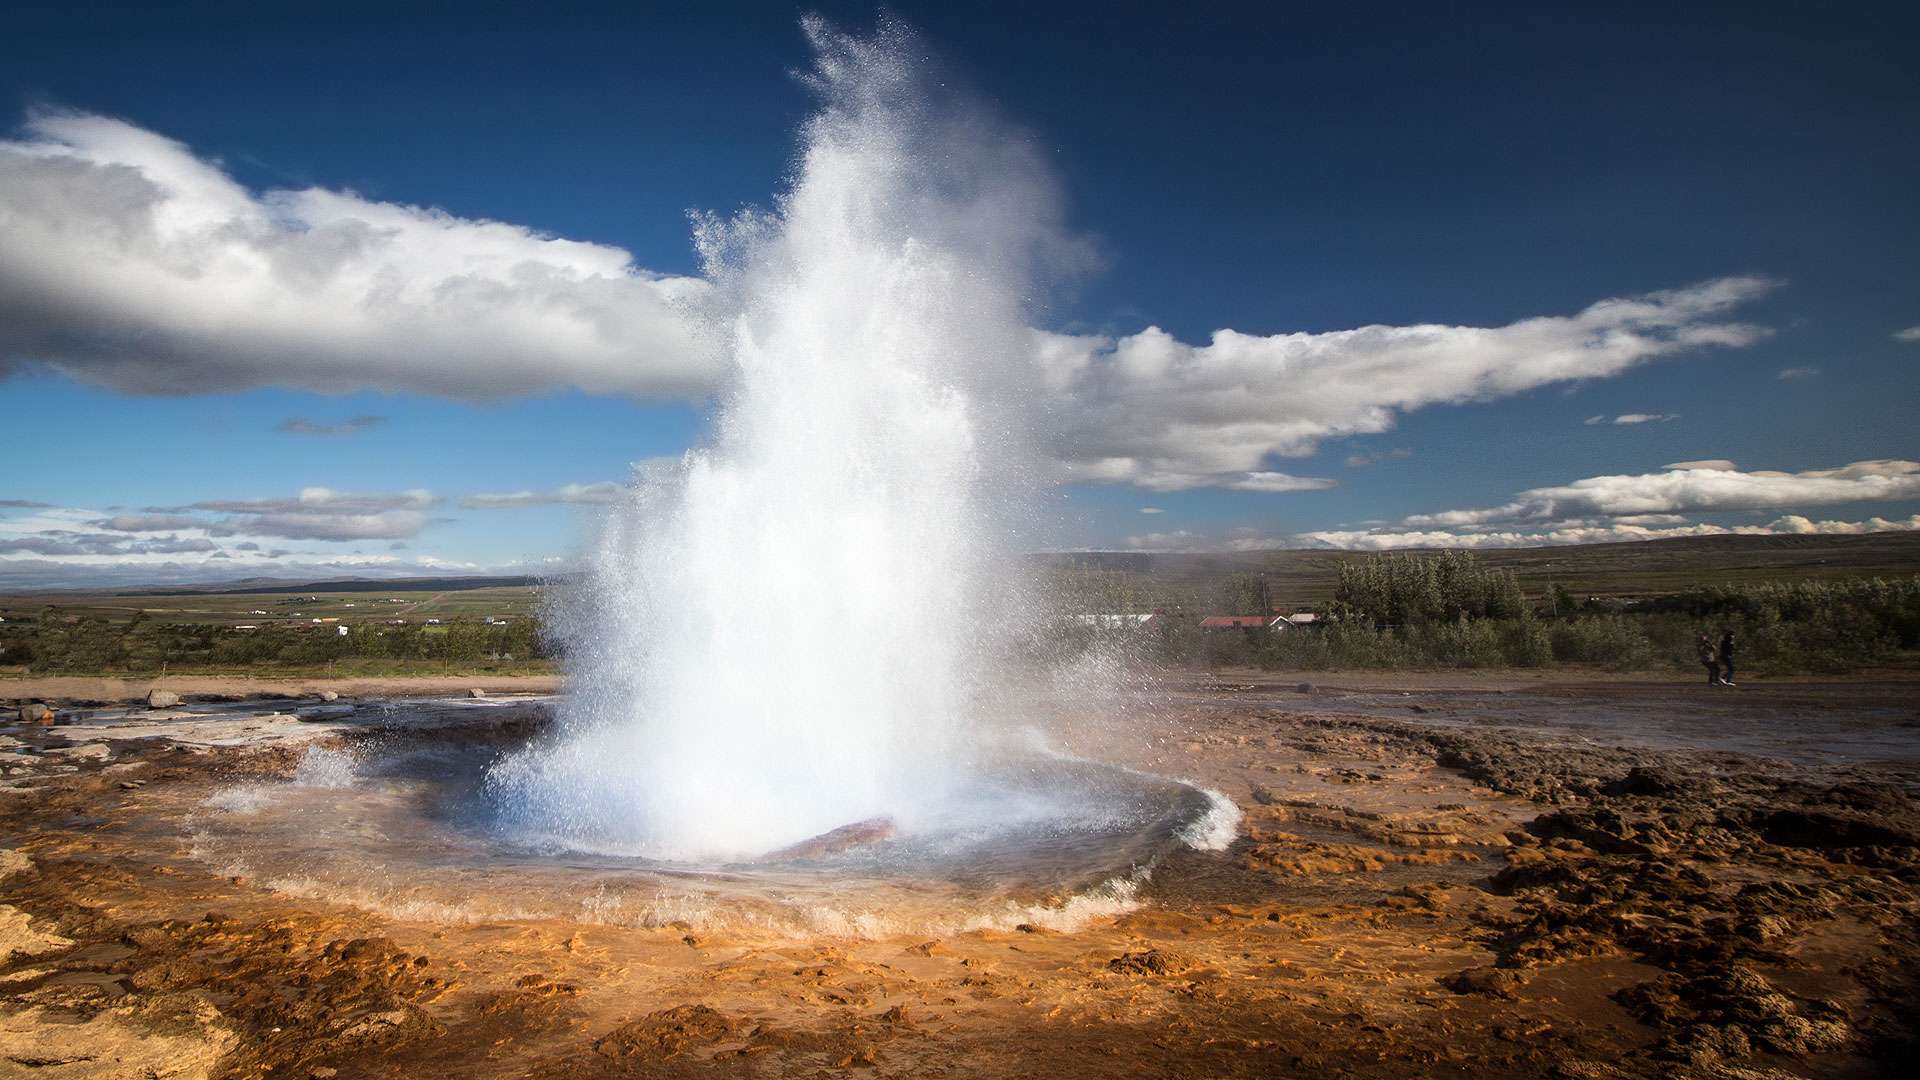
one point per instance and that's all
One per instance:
(36, 712)
(329, 695)
(858, 834)
(476, 692)
(1490, 981)
(162, 699)
(19, 938)
(1150, 962)
(14, 862)
(325, 712)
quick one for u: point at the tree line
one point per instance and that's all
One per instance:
(55, 642)
(1447, 610)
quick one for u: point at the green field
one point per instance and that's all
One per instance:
(1306, 579)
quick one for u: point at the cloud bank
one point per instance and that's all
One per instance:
(1614, 532)
(131, 263)
(1700, 486)
(317, 533)
(1632, 418)
(1651, 506)
(317, 513)
(1151, 410)
(598, 494)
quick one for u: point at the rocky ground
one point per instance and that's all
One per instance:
(1406, 898)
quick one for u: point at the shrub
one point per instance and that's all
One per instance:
(1616, 641)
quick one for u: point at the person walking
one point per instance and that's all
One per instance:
(1726, 659)
(1707, 656)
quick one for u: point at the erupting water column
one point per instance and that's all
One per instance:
(783, 634)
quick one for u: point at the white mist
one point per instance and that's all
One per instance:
(784, 634)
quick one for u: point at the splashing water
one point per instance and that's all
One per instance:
(785, 632)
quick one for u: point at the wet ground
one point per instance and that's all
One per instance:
(1621, 880)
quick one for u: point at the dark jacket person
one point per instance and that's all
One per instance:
(1705, 647)
(1726, 659)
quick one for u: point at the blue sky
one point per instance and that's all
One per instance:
(1271, 170)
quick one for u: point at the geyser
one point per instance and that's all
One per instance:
(784, 633)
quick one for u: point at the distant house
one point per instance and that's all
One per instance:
(1247, 624)
(1302, 618)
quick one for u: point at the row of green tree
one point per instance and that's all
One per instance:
(59, 643)
(1448, 610)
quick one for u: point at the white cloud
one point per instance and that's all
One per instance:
(1615, 532)
(1275, 482)
(1151, 410)
(1703, 486)
(1151, 510)
(1632, 418)
(318, 513)
(1910, 334)
(596, 494)
(1650, 506)
(121, 570)
(1240, 539)
(1802, 372)
(300, 425)
(61, 542)
(1172, 540)
(141, 523)
(127, 261)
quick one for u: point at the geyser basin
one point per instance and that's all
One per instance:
(406, 827)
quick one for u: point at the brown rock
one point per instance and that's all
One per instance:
(664, 1033)
(1151, 962)
(858, 834)
(1492, 981)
